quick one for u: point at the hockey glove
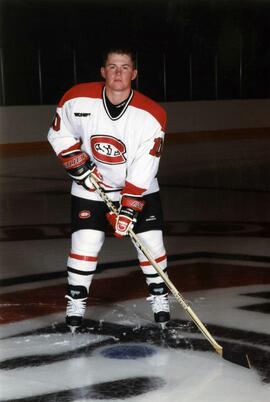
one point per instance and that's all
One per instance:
(79, 166)
(127, 216)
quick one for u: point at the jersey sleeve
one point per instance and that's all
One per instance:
(144, 167)
(62, 134)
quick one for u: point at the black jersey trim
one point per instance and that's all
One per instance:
(124, 109)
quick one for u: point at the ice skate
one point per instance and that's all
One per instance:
(160, 304)
(76, 305)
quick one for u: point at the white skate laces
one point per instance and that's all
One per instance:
(159, 303)
(75, 307)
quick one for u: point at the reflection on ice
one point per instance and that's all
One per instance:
(173, 374)
(45, 344)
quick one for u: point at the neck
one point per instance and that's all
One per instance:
(116, 97)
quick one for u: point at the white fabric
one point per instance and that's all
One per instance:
(119, 147)
(153, 241)
(85, 242)
(75, 279)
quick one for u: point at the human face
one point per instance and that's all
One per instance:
(118, 73)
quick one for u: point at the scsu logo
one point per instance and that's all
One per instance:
(85, 214)
(108, 149)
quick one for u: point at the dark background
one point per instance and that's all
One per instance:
(186, 49)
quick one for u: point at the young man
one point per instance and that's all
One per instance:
(116, 134)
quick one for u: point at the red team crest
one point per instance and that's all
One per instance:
(85, 214)
(108, 149)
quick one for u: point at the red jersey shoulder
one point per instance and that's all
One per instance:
(85, 90)
(141, 101)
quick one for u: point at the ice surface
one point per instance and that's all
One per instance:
(190, 376)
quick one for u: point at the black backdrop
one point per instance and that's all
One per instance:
(187, 49)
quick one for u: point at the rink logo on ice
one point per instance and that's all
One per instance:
(108, 149)
(85, 214)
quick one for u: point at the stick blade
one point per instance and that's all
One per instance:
(236, 357)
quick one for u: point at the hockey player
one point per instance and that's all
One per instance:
(116, 134)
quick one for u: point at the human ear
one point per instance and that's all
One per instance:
(134, 74)
(102, 72)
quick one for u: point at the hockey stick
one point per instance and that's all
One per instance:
(239, 358)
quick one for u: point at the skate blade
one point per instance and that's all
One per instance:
(163, 325)
(73, 329)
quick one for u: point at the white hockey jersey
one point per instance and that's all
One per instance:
(126, 149)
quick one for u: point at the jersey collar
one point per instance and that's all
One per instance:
(126, 102)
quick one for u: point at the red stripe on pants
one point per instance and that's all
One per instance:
(147, 263)
(82, 257)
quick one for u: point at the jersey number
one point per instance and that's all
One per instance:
(157, 148)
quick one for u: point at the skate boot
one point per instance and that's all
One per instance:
(159, 302)
(76, 305)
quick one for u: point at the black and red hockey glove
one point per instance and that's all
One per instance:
(129, 209)
(79, 166)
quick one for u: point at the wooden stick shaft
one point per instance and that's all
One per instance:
(176, 293)
(168, 282)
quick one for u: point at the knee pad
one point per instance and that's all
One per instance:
(87, 241)
(153, 241)
(82, 260)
